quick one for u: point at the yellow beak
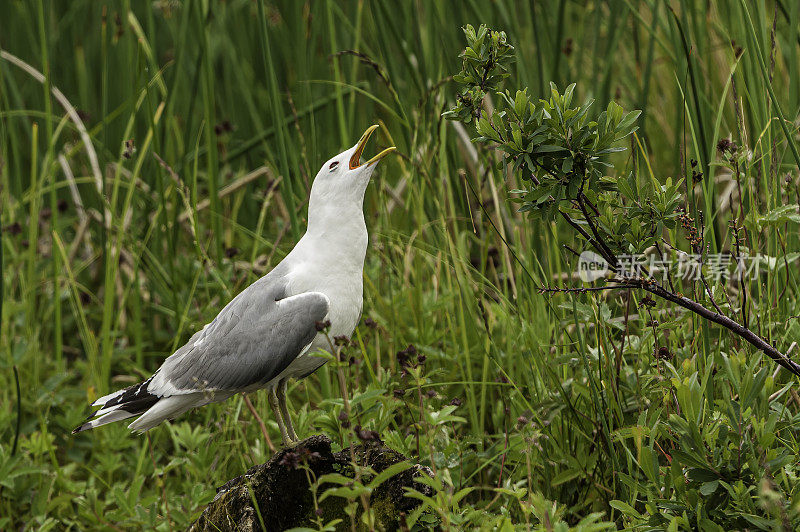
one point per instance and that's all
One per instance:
(360, 148)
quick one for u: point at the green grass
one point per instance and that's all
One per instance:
(112, 259)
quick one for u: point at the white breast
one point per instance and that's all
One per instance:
(343, 288)
(335, 267)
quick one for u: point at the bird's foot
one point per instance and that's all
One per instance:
(288, 441)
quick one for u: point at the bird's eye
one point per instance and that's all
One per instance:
(333, 165)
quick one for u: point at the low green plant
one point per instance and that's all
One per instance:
(112, 254)
(561, 154)
(706, 450)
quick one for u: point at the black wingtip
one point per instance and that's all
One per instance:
(86, 425)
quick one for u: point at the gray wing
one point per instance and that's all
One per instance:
(252, 340)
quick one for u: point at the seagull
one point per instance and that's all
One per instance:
(272, 330)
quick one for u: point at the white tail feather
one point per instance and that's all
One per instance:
(110, 417)
(106, 398)
(167, 408)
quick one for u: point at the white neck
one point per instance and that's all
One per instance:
(336, 237)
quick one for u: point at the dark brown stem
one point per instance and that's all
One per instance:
(736, 328)
(609, 257)
(596, 234)
(621, 350)
(742, 285)
(583, 290)
(693, 306)
(708, 291)
(572, 251)
(260, 423)
(590, 204)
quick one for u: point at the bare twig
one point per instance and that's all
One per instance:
(583, 290)
(733, 326)
(689, 304)
(600, 248)
(260, 422)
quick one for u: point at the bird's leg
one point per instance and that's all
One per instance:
(276, 409)
(285, 411)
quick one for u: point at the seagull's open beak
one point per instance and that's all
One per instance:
(360, 148)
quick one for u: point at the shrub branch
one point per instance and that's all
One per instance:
(562, 156)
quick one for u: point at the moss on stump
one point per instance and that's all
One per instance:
(281, 492)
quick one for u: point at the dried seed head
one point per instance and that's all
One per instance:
(737, 50)
(290, 460)
(129, 148)
(223, 127)
(726, 146)
(366, 434)
(568, 47)
(344, 421)
(648, 301)
(13, 229)
(341, 340)
(404, 356)
(664, 353)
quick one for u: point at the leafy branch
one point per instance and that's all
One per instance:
(561, 153)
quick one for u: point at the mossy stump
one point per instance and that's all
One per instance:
(281, 492)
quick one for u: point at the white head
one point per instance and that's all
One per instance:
(341, 182)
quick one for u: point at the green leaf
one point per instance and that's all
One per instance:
(521, 103)
(565, 476)
(626, 509)
(387, 473)
(486, 130)
(548, 148)
(707, 488)
(335, 478)
(780, 215)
